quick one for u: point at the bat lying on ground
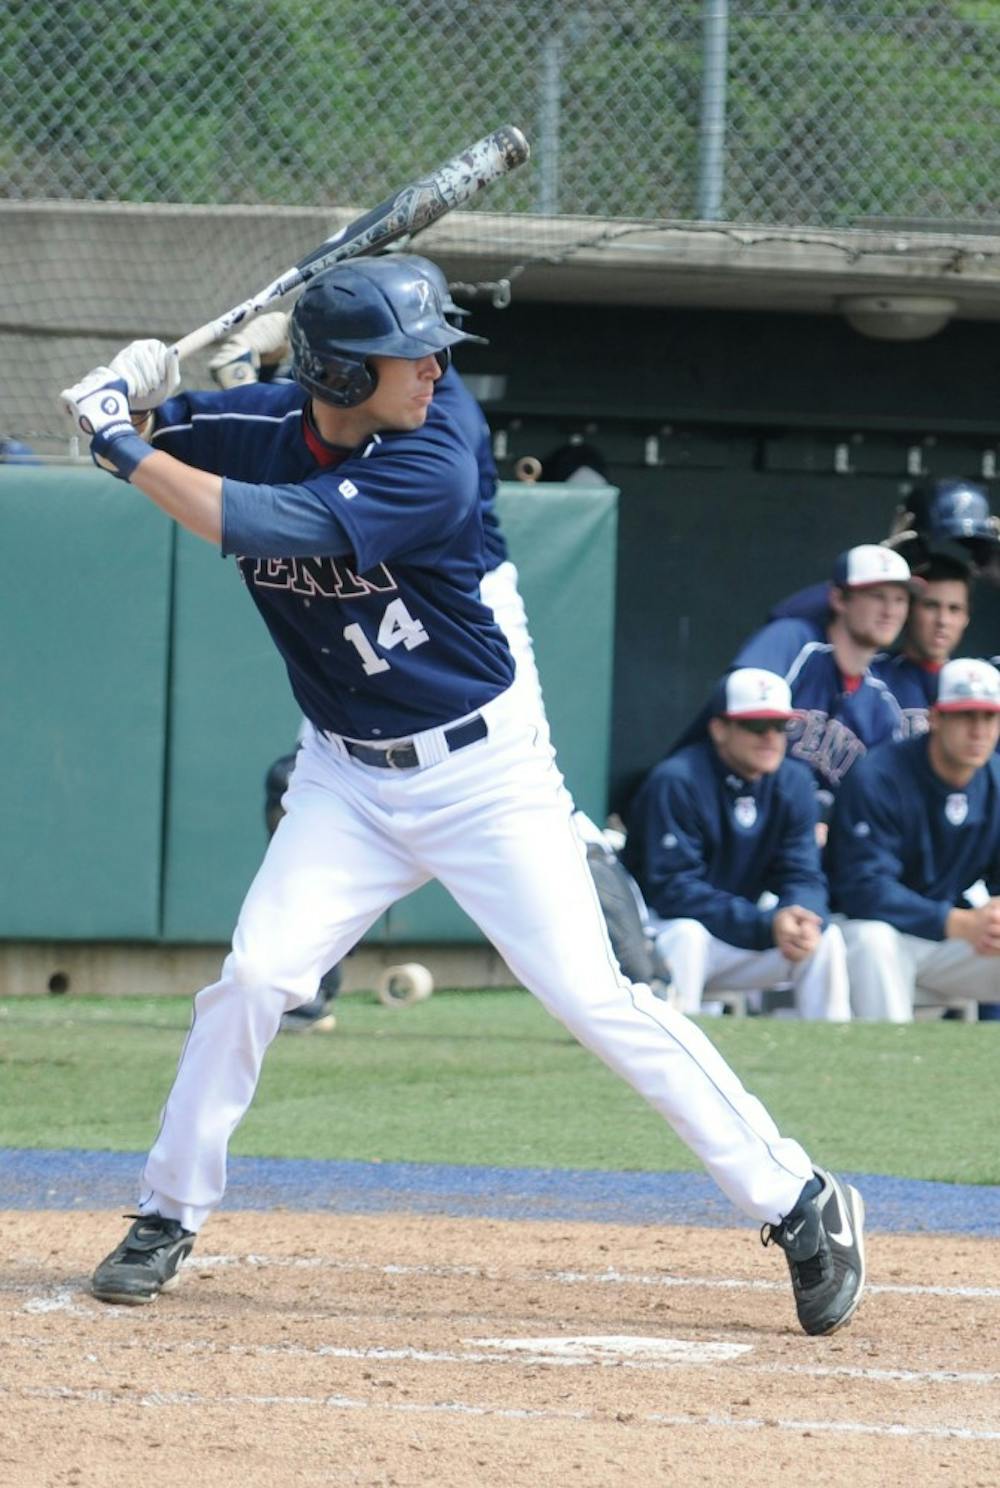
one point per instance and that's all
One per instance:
(407, 211)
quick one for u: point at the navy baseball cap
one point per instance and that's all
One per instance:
(751, 692)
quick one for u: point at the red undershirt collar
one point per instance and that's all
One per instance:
(324, 454)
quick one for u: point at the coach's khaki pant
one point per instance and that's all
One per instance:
(700, 964)
(885, 967)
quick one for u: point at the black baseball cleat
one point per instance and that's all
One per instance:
(824, 1244)
(145, 1263)
(315, 1016)
(311, 1017)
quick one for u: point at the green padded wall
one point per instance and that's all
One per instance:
(83, 657)
(144, 701)
(231, 714)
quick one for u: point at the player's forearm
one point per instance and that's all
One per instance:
(192, 497)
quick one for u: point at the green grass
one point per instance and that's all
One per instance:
(488, 1078)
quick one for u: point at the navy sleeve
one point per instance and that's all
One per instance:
(776, 646)
(812, 603)
(674, 871)
(865, 858)
(279, 522)
(411, 493)
(795, 873)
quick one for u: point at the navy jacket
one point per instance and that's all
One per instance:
(904, 845)
(704, 844)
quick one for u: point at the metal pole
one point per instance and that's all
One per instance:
(548, 154)
(712, 126)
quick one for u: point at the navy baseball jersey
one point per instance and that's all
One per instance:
(365, 563)
(913, 684)
(704, 844)
(452, 396)
(904, 845)
(839, 718)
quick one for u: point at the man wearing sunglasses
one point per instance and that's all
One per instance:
(717, 825)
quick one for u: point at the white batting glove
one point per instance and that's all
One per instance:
(151, 373)
(99, 407)
(260, 343)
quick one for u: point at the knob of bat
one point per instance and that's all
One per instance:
(528, 469)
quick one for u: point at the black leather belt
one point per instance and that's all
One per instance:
(403, 754)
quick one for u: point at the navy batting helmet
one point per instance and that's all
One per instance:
(947, 517)
(354, 311)
(436, 275)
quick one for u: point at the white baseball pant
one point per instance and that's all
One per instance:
(700, 963)
(498, 589)
(886, 967)
(492, 822)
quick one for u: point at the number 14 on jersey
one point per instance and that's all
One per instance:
(397, 627)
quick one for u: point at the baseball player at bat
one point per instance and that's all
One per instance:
(260, 351)
(350, 503)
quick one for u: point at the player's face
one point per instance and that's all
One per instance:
(403, 393)
(875, 615)
(749, 749)
(937, 621)
(961, 742)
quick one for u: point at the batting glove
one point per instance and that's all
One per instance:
(151, 373)
(99, 407)
(260, 343)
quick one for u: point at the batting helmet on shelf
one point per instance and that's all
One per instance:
(948, 517)
(354, 311)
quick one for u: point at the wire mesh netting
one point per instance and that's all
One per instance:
(821, 111)
(161, 161)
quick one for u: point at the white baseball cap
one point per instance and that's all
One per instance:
(750, 692)
(872, 564)
(968, 686)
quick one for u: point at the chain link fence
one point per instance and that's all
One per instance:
(820, 112)
(160, 161)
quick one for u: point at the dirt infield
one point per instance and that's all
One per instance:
(304, 1349)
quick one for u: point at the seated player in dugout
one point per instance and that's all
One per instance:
(717, 826)
(948, 536)
(351, 505)
(842, 708)
(938, 618)
(914, 827)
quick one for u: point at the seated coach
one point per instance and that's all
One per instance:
(717, 825)
(914, 826)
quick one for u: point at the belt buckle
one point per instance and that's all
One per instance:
(407, 747)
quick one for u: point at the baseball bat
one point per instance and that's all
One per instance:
(407, 211)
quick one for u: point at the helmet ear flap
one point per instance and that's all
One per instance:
(443, 359)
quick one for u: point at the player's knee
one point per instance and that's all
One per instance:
(871, 939)
(260, 973)
(831, 945)
(678, 937)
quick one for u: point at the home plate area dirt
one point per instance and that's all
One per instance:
(394, 1350)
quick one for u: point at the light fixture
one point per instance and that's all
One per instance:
(893, 317)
